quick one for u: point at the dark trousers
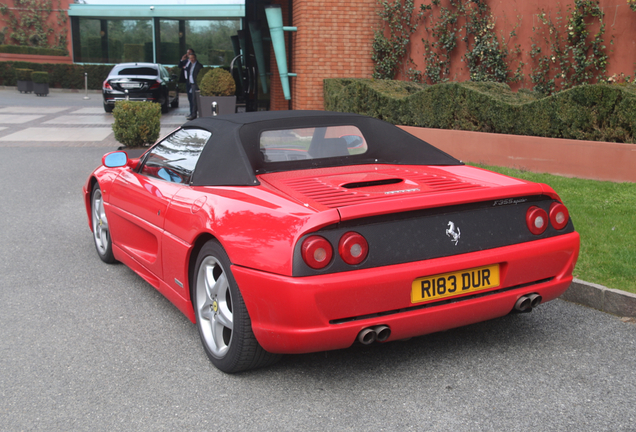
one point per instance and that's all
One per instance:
(192, 98)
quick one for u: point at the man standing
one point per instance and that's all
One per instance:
(183, 63)
(191, 71)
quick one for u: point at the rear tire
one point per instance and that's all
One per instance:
(222, 318)
(108, 108)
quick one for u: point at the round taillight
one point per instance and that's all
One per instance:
(316, 252)
(559, 215)
(537, 220)
(353, 248)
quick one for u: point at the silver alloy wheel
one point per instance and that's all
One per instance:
(214, 306)
(101, 232)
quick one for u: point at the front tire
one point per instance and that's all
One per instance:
(222, 318)
(101, 230)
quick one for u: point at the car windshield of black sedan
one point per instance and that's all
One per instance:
(311, 143)
(147, 71)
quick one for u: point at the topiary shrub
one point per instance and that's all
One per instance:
(23, 74)
(136, 123)
(218, 82)
(40, 77)
(202, 73)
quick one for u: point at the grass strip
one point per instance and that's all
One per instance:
(604, 214)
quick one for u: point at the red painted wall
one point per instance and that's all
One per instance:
(334, 40)
(620, 26)
(52, 22)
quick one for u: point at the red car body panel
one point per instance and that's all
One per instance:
(156, 226)
(299, 320)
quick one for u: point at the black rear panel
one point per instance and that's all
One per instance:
(434, 233)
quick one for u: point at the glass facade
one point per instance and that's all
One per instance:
(210, 39)
(120, 40)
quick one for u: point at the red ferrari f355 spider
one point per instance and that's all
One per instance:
(301, 231)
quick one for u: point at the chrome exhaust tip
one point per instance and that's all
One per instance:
(382, 333)
(366, 336)
(535, 300)
(523, 304)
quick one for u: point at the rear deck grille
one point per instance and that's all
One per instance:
(338, 196)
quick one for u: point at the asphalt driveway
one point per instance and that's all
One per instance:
(90, 346)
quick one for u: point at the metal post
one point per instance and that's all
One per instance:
(86, 85)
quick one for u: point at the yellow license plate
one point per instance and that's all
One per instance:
(454, 283)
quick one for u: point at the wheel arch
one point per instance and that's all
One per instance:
(92, 181)
(198, 243)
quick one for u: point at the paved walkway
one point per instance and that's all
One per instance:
(65, 119)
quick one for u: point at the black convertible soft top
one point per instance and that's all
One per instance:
(232, 156)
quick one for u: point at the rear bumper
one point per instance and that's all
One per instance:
(110, 100)
(318, 313)
(112, 96)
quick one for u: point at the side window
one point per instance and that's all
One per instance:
(174, 158)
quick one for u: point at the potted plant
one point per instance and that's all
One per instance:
(217, 89)
(40, 83)
(25, 85)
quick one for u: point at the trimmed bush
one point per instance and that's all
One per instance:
(202, 73)
(40, 77)
(23, 49)
(136, 123)
(599, 112)
(218, 82)
(23, 74)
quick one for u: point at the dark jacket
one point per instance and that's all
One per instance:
(181, 65)
(197, 68)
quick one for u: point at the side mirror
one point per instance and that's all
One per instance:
(115, 159)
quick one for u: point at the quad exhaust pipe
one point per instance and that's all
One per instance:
(527, 302)
(379, 333)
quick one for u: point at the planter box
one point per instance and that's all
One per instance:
(41, 89)
(224, 105)
(25, 86)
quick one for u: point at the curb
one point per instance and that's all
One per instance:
(605, 299)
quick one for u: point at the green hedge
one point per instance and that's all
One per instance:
(68, 76)
(136, 123)
(22, 49)
(599, 112)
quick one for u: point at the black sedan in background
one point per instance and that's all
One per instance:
(141, 82)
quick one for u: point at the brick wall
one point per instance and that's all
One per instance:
(333, 40)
